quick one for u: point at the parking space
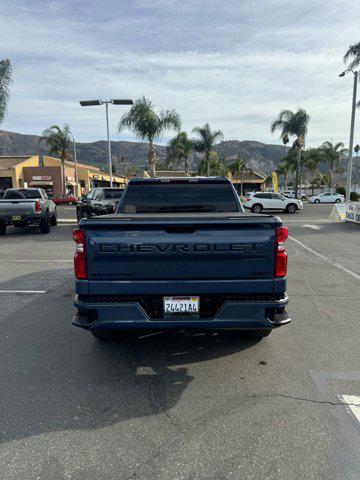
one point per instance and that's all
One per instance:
(205, 405)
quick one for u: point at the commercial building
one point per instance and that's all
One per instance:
(252, 181)
(46, 172)
(170, 173)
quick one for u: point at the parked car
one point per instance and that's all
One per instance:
(65, 200)
(272, 201)
(99, 201)
(22, 207)
(327, 197)
(180, 254)
(288, 193)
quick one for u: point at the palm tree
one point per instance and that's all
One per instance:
(285, 140)
(5, 81)
(148, 125)
(313, 158)
(218, 166)
(206, 142)
(332, 153)
(59, 141)
(179, 150)
(293, 124)
(283, 169)
(238, 167)
(353, 54)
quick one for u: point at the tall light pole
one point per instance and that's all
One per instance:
(75, 161)
(352, 126)
(114, 101)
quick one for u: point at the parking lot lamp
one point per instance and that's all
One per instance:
(76, 170)
(114, 101)
(352, 126)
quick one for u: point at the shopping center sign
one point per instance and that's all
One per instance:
(353, 212)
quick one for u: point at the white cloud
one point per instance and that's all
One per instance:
(236, 81)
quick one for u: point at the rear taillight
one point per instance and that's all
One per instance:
(280, 253)
(37, 206)
(80, 266)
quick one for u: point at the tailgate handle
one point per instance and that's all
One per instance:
(180, 229)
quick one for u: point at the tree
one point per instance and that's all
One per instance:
(218, 166)
(313, 158)
(144, 122)
(332, 153)
(283, 170)
(59, 141)
(238, 167)
(179, 150)
(5, 81)
(206, 141)
(353, 55)
(285, 140)
(293, 124)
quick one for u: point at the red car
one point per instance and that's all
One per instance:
(65, 200)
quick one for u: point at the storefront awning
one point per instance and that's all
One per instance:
(40, 183)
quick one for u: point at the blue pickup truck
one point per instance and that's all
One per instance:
(180, 253)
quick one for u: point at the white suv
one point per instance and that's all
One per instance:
(259, 201)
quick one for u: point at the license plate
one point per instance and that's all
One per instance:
(179, 305)
(16, 218)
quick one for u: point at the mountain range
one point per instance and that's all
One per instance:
(260, 157)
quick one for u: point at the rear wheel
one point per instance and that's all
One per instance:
(337, 200)
(54, 220)
(291, 208)
(257, 208)
(2, 228)
(317, 201)
(45, 224)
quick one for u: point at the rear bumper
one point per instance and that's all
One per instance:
(29, 219)
(248, 313)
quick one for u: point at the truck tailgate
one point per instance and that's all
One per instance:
(17, 207)
(163, 253)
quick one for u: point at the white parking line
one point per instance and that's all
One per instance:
(313, 227)
(326, 259)
(26, 260)
(30, 292)
(353, 404)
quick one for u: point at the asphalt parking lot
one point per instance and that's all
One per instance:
(181, 405)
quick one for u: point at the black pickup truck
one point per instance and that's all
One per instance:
(180, 253)
(99, 201)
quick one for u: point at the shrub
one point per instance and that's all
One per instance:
(354, 197)
(341, 190)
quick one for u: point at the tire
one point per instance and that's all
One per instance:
(291, 208)
(103, 334)
(45, 225)
(54, 220)
(316, 200)
(2, 228)
(257, 208)
(338, 200)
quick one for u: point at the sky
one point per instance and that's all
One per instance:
(234, 64)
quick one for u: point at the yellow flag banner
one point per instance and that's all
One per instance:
(275, 182)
